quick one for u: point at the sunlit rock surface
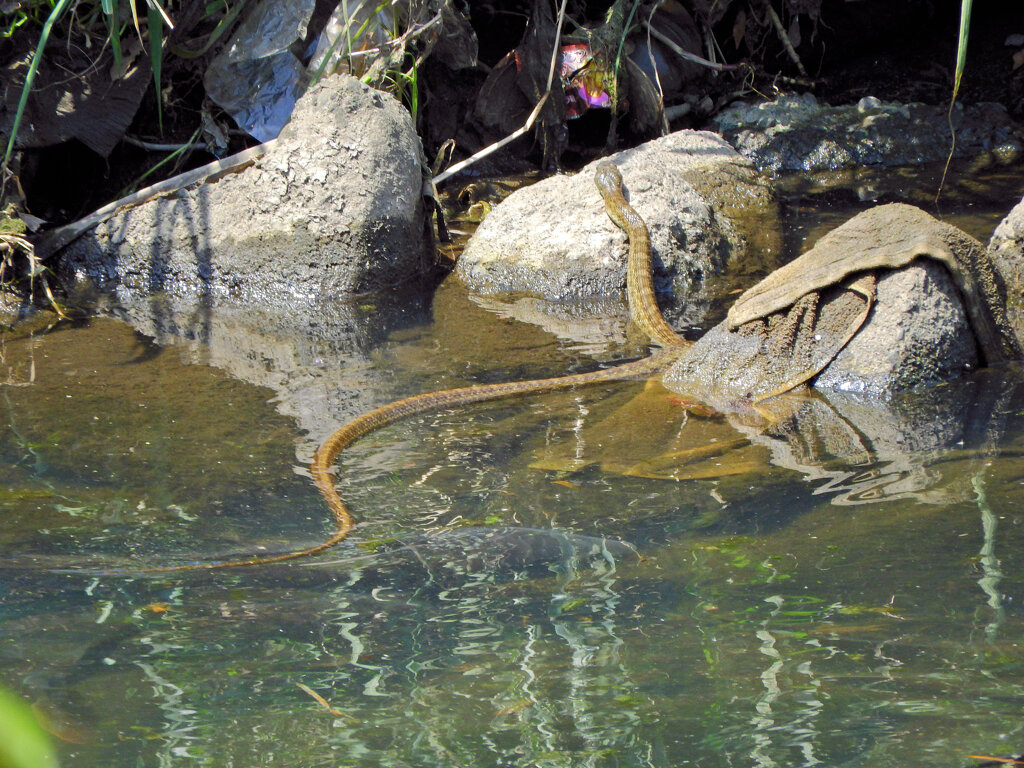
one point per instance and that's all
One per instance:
(333, 209)
(797, 133)
(1006, 249)
(708, 212)
(919, 335)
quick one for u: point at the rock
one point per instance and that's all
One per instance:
(1006, 249)
(891, 300)
(797, 133)
(706, 207)
(918, 335)
(333, 209)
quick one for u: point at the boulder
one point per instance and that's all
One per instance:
(706, 207)
(333, 208)
(918, 335)
(1006, 250)
(796, 133)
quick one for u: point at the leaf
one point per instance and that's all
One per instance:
(739, 28)
(23, 742)
(961, 50)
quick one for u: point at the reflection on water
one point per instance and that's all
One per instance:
(603, 577)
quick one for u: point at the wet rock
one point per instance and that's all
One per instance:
(707, 209)
(797, 133)
(1006, 249)
(333, 209)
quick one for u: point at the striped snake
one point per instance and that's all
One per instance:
(644, 312)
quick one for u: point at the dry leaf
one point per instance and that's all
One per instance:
(739, 28)
(794, 32)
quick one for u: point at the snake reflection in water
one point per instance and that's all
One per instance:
(644, 313)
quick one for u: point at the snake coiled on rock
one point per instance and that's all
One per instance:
(644, 313)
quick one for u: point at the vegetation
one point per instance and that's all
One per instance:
(23, 743)
(485, 65)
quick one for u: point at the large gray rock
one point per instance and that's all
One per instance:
(334, 208)
(918, 335)
(1006, 249)
(706, 208)
(796, 133)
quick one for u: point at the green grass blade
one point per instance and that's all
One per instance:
(23, 743)
(155, 26)
(175, 154)
(55, 14)
(961, 48)
(961, 62)
(113, 33)
(224, 24)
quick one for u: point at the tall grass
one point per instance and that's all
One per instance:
(157, 18)
(961, 63)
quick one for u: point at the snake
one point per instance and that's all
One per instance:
(643, 304)
(644, 313)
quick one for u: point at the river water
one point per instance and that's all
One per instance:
(597, 577)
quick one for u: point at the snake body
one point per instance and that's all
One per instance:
(643, 310)
(643, 306)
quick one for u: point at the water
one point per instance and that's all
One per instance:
(598, 577)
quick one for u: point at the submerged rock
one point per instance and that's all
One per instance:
(796, 133)
(707, 209)
(333, 209)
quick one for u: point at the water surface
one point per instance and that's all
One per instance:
(597, 577)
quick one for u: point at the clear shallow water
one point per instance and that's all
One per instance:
(597, 577)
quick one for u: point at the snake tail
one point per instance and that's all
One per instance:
(323, 459)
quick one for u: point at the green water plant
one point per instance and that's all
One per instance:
(18, 261)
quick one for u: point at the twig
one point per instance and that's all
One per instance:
(691, 57)
(13, 243)
(152, 147)
(777, 22)
(448, 173)
(444, 175)
(324, 703)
